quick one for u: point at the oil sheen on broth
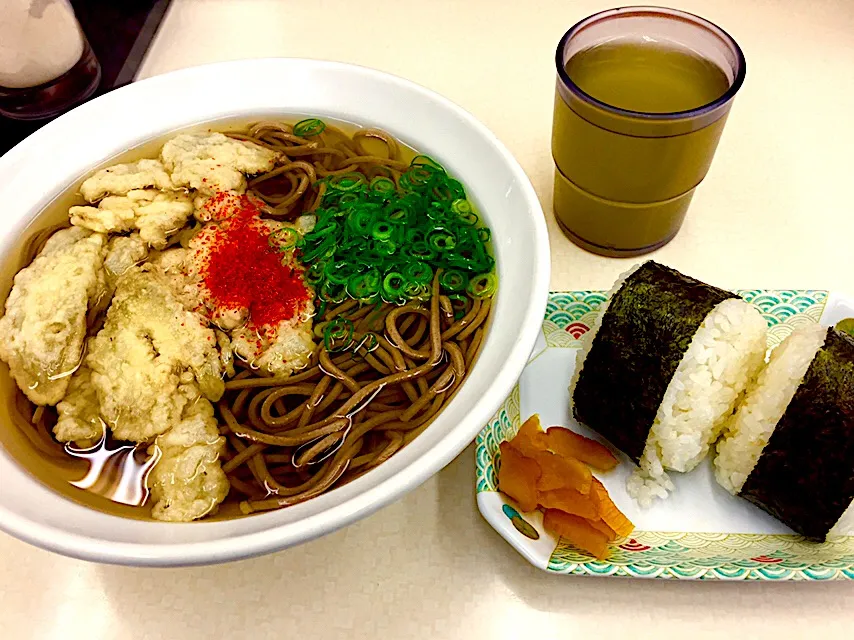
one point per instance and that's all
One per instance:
(35, 451)
(625, 159)
(121, 472)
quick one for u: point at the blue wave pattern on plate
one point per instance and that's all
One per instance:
(679, 555)
(505, 421)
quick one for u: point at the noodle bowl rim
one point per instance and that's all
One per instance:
(152, 108)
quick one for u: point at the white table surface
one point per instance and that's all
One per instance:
(775, 211)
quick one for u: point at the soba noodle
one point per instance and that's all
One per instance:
(289, 439)
(288, 189)
(362, 397)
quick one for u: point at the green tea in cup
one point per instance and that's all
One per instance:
(642, 98)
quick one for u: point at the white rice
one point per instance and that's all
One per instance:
(845, 525)
(747, 432)
(725, 354)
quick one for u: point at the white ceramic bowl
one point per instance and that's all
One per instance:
(58, 155)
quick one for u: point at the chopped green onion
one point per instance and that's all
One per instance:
(461, 206)
(283, 239)
(349, 200)
(426, 161)
(483, 285)
(456, 189)
(314, 274)
(419, 272)
(441, 240)
(364, 286)
(309, 127)
(338, 335)
(382, 185)
(453, 280)
(464, 212)
(332, 292)
(386, 247)
(382, 230)
(418, 175)
(459, 303)
(419, 251)
(331, 227)
(339, 272)
(323, 250)
(361, 221)
(393, 286)
(346, 182)
(416, 290)
(415, 235)
(382, 239)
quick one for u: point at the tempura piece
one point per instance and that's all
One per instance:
(181, 268)
(211, 162)
(79, 412)
(124, 252)
(288, 350)
(156, 214)
(226, 353)
(219, 206)
(122, 178)
(42, 333)
(279, 349)
(286, 347)
(180, 271)
(149, 345)
(188, 482)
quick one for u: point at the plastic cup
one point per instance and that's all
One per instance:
(623, 178)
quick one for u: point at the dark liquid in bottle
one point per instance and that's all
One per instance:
(52, 98)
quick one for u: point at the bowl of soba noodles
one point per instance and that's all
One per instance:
(249, 303)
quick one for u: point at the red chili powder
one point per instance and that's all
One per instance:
(243, 271)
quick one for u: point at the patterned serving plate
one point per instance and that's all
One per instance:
(700, 532)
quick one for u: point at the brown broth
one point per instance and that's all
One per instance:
(38, 453)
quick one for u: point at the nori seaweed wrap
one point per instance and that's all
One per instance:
(804, 475)
(644, 334)
(664, 368)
